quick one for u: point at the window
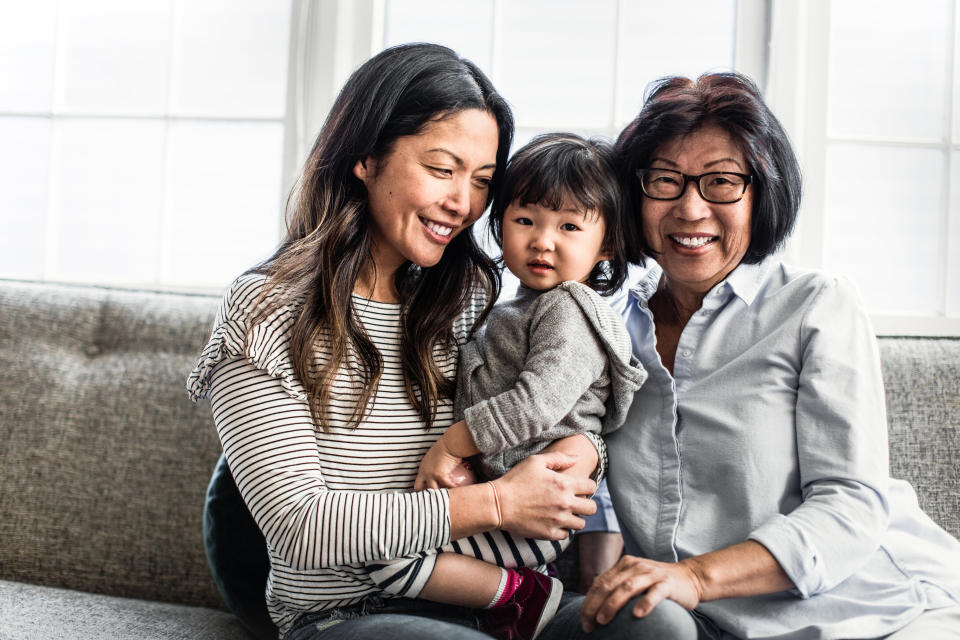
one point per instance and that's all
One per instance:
(154, 142)
(869, 92)
(143, 142)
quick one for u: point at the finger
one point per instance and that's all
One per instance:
(419, 484)
(626, 590)
(558, 461)
(654, 596)
(603, 585)
(583, 487)
(583, 506)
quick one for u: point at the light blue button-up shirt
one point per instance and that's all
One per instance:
(773, 428)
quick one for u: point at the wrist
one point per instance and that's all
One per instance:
(497, 505)
(458, 442)
(696, 569)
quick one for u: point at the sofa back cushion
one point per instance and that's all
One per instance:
(103, 459)
(922, 383)
(104, 462)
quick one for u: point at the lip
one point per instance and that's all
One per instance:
(692, 243)
(435, 230)
(539, 267)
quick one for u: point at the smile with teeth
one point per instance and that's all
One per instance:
(693, 242)
(441, 230)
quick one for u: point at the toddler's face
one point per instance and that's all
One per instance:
(544, 247)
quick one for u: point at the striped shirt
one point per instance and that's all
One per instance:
(328, 503)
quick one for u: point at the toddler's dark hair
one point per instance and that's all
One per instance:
(563, 169)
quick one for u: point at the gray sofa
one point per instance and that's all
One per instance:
(104, 462)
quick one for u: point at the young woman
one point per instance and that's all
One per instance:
(330, 368)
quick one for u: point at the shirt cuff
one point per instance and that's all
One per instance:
(796, 554)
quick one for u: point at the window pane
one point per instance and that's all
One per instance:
(27, 44)
(882, 224)
(223, 207)
(111, 189)
(24, 175)
(887, 68)
(651, 48)
(463, 25)
(953, 275)
(116, 55)
(230, 58)
(558, 62)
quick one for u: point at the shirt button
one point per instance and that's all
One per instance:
(686, 353)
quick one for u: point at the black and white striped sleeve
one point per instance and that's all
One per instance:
(270, 442)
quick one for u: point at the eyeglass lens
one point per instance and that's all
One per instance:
(719, 187)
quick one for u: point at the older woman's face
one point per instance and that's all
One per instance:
(698, 243)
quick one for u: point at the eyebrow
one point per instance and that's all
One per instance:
(707, 165)
(457, 159)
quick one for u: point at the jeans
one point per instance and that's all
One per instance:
(405, 619)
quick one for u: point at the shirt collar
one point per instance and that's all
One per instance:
(744, 281)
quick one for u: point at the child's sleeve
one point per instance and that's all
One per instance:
(565, 358)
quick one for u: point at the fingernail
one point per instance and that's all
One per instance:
(602, 619)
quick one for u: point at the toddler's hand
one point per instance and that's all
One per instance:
(439, 469)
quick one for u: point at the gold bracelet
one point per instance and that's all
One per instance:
(496, 501)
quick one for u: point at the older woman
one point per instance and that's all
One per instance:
(751, 477)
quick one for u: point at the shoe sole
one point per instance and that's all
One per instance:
(550, 607)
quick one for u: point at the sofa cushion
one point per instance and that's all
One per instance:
(103, 459)
(922, 383)
(237, 553)
(34, 612)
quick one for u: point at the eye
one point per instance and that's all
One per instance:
(482, 182)
(523, 220)
(569, 226)
(441, 171)
(665, 178)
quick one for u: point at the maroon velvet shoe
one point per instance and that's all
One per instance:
(525, 615)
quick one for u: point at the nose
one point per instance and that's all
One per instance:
(541, 240)
(458, 197)
(691, 205)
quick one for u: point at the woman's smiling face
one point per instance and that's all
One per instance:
(430, 187)
(698, 242)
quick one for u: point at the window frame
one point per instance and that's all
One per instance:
(797, 91)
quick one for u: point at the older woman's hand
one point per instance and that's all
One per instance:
(537, 501)
(633, 576)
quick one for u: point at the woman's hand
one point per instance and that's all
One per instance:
(537, 501)
(633, 576)
(439, 469)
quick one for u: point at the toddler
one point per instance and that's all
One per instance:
(551, 368)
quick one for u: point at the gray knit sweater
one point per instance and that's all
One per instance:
(545, 366)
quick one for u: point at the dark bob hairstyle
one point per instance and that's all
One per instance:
(563, 169)
(676, 107)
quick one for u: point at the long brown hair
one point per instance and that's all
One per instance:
(327, 247)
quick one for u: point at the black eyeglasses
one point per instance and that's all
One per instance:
(718, 187)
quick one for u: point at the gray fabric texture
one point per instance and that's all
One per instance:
(922, 383)
(31, 612)
(546, 366)
(103, 458)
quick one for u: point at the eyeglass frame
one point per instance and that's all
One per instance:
(747, 181)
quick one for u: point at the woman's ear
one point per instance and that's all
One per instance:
(361, 171)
